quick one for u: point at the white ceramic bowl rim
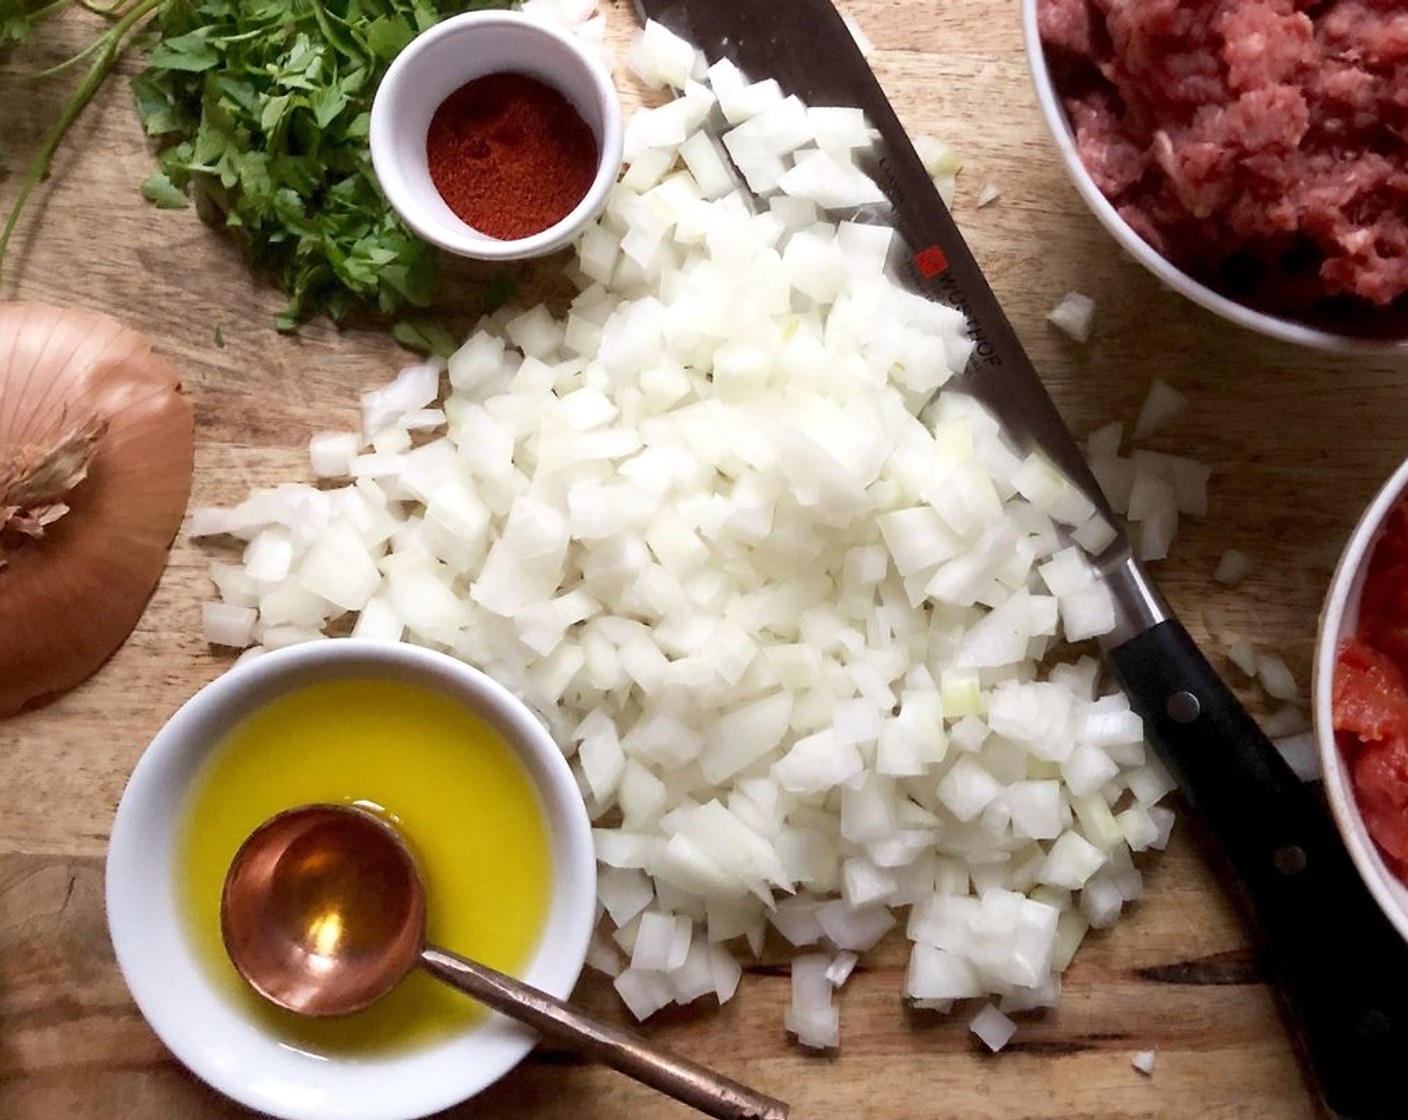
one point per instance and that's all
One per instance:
(185, 1006)
(1287, 330)
(487, 42)
(1339, 620)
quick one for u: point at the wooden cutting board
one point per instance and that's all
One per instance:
(1298, 443)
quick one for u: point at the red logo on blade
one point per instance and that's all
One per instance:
(930, 262)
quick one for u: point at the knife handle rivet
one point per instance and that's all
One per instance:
(1289, 859)
(1183, 707)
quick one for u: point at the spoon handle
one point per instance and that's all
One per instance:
(628, 1053)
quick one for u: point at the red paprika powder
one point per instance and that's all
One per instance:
(510, 155)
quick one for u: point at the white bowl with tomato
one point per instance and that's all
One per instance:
(1361, 697)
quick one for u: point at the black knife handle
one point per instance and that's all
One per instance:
(1340, 964)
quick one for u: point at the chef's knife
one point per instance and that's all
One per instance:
(1341, 966)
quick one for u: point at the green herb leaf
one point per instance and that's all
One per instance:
(157, 107)
(425, 337)
(158, 189)
(388, 36)
(327, 103)
(191, 52)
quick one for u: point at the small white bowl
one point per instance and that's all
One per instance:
(191, 1012)
(1059, 125)
(440, 61)
(1339, 619)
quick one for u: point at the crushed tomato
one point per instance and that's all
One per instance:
(1370, 701)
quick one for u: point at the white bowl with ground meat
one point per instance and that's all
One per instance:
(1247, 156)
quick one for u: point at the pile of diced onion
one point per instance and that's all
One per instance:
(804, 650)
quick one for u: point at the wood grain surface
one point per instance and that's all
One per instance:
(1298, 442)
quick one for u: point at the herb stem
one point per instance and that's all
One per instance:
(58, 68)
(111, 11)
(111, 43)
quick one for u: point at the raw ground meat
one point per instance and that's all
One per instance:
(1260, 145)
(1370, 694)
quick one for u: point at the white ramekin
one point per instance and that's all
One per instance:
(440, 61)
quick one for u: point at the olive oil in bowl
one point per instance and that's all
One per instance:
(447, 781)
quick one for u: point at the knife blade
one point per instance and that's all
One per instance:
(1339, 966)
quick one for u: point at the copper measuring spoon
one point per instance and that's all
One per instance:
(323, 913)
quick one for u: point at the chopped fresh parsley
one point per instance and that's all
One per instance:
(261, 109)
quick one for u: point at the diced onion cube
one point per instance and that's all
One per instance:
(993, 1027)
(1074, 315)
